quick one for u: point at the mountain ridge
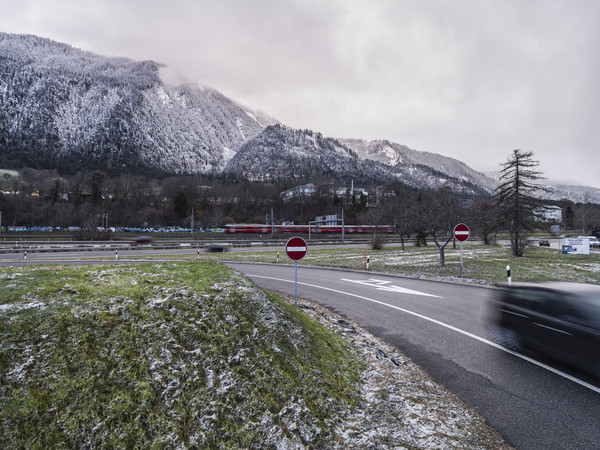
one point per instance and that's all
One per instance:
(73, 110)
(61, 107)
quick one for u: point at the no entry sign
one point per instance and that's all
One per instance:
(461, 232)
(296, 248)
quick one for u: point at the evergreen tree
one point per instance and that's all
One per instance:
(515, 197)
(97, 182)
(181, 205)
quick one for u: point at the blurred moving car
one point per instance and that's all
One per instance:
(544, 243)
(216, 248)
(559, 319)
(142, 240)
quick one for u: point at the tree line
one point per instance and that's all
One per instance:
(93, 199)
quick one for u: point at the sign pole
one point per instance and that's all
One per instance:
(461, 260)
(296, 283)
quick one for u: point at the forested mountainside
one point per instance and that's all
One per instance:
(403, 159)
(73, 110)
(283, 154)
(68, 109)
(65, 108)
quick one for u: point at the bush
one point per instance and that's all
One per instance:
(377, 242)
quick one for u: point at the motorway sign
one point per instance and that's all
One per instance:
(296, 248)
(461, 232)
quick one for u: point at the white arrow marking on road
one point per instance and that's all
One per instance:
(382, 285)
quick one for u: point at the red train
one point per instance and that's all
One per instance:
(350, 229)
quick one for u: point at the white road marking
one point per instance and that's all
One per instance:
(450, 327)
(382, 285)
(296, 249)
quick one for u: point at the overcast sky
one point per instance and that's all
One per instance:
(470, 79)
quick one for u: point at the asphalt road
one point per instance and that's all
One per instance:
(533, 402)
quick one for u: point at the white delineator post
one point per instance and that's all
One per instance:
(508, 275)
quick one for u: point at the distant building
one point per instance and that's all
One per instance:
(333, 219)
(306, 191)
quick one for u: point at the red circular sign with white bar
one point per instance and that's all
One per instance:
(461, 232)
(296, 248)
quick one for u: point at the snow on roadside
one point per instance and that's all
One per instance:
(402, 407)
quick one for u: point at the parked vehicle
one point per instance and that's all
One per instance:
(559, 319)
(594, 242)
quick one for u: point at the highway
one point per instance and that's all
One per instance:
(533, 402)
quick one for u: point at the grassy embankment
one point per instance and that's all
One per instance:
(163, 354)
(193, 355)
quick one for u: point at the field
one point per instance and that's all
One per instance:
(481, 263)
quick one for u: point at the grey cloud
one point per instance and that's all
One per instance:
(469, 79)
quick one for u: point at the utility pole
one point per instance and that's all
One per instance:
(343, 230)
(269, 219)
(192, 221)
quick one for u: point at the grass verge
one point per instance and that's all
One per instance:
(163, 355)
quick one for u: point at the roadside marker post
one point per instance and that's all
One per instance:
(296, 249)
(508, 275)
(461, 233)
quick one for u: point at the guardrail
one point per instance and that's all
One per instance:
(75, 246)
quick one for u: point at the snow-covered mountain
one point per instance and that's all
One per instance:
(283, 154)
(431, 166)
(67, 108)
(559, 190)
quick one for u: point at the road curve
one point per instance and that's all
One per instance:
(533, 402)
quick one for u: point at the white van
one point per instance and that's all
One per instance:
(594, 242)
